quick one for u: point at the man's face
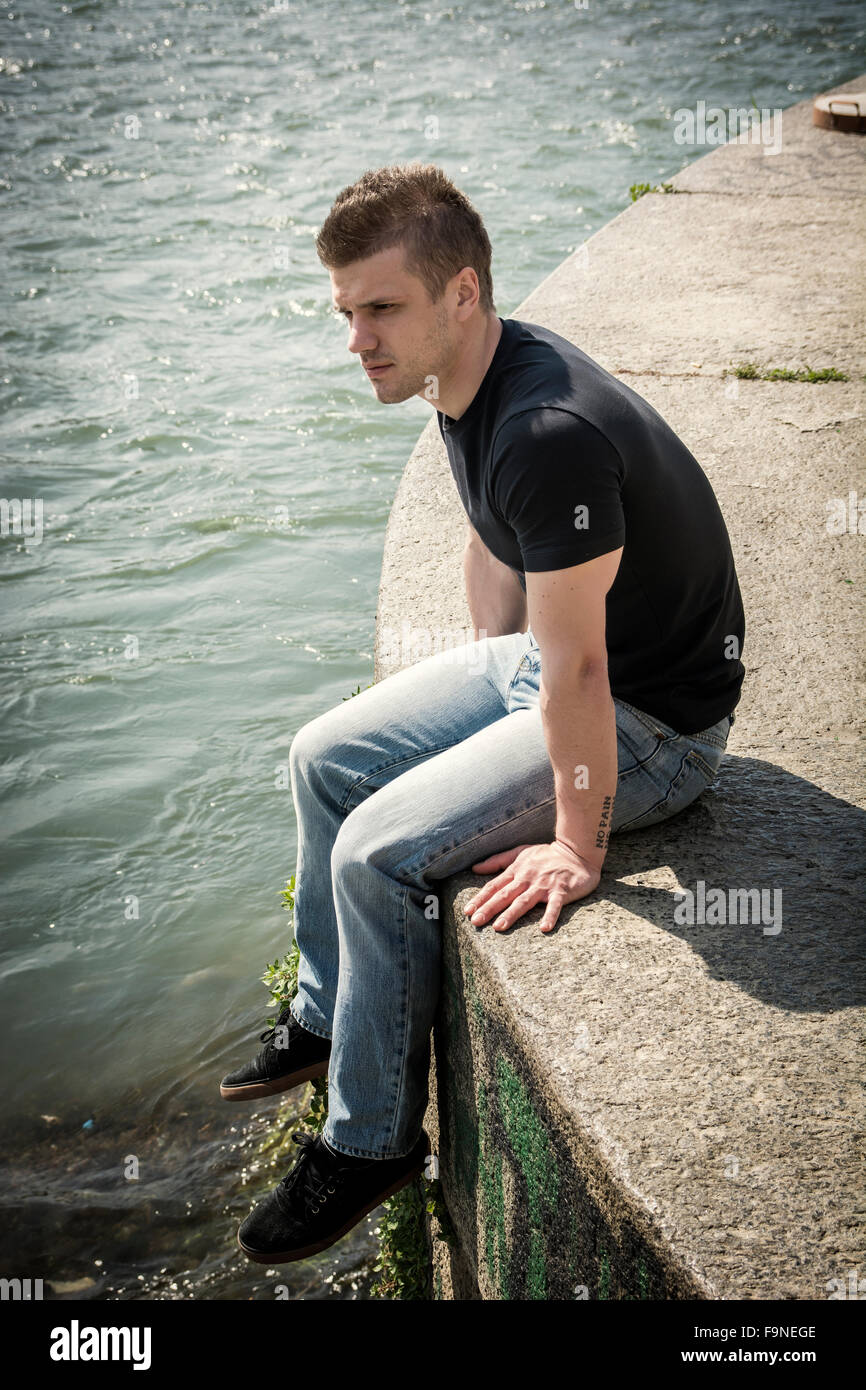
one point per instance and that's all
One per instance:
(393, 321)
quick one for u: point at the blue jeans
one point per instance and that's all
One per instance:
(415, 778)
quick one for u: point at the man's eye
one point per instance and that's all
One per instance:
(344, 315)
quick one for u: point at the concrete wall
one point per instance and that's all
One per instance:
(629, 1108)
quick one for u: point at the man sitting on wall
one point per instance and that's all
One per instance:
(597, 696)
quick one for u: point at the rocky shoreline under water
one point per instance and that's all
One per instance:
(130, 1206)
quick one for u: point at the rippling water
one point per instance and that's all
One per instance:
(215, 475)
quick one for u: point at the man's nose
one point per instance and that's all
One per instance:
(361, 336)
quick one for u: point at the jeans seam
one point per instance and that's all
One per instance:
(701, 764)
(327, 1036)
(687, 760)
(407, 994)
(524, 664)
(649, 722)
(707, 736)
(530, 810)
(492, 683)
(641, 765)
(395, 762)
(354, 1152)
(513, 682)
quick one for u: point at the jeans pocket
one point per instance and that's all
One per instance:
(692, 778)
(707, 760)
(716, 736)
(649, 721)
(525, 681)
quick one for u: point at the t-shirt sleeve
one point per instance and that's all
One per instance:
(556, 480)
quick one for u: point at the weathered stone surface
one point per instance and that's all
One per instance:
(632, 1107)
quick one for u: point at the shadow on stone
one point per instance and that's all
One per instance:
(763, 828)
(543, 1209)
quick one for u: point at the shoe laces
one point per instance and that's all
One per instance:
(315, 1185)
(286, 1017)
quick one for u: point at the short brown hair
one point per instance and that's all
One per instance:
(415, 205)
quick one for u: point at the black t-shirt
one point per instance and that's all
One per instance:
(557, 462)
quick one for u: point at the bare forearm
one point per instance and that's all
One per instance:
(496, 599)
(579, 721)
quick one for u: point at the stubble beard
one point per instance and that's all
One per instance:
(422, 374)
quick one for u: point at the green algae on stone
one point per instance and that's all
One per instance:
(492, 1203)
(474, 999)
(537, 1161)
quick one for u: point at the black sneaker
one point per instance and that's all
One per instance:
(276, 1068)
(323, 1196)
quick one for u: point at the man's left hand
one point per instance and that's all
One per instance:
(552, 873)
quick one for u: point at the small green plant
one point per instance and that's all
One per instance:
(281, 979)
(637, 190)
(358, 691)
(403, 1264)
(807, 374)
(750, 371)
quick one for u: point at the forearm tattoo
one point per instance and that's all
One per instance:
(603, 835)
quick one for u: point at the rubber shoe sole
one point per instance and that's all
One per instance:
(287, 1257)
(261, 1090)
